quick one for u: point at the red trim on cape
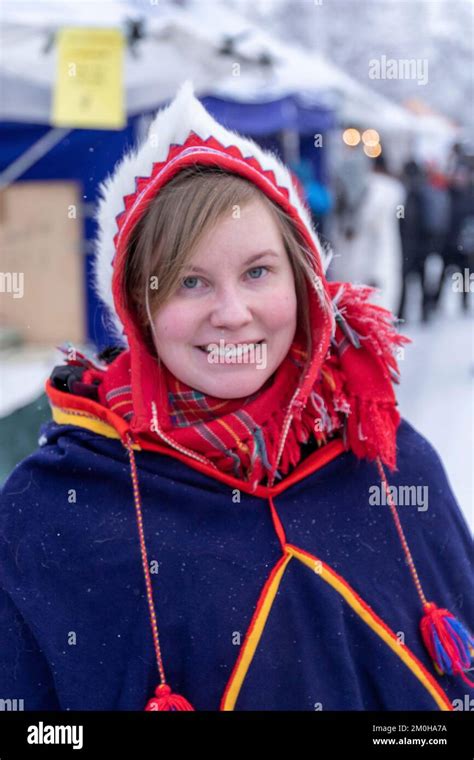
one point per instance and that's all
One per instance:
(312, 463)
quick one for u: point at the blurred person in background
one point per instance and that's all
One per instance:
(349, 189)
(436, 207)
(414, 237)
(458, 249)
(366, 236)
(315, 194)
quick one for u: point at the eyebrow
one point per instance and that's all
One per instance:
(254, 257)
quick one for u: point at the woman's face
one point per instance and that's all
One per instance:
(237, 291)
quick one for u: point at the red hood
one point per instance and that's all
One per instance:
(181, 134)
(144, 367)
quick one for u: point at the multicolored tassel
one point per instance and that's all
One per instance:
(449, 643)
(164, 699)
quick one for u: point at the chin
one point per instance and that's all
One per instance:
(232, 387)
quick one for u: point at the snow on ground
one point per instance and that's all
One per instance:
(436, 393)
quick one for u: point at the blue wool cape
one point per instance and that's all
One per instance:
(328, 619)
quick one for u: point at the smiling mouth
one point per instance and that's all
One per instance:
(230, 348)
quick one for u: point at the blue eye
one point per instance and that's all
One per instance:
(256, 269)
(189, 278)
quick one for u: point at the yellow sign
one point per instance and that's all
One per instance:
(89, 91)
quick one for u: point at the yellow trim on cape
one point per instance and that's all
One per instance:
(87, 421)
(257, 625)
(405, 655)
(326, 574)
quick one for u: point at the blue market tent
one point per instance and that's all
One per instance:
(263, 118)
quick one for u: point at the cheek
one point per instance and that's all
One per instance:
(280, 307)
(173, 324)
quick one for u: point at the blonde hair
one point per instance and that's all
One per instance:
(164, 239)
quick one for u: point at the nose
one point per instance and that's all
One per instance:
(230, 310)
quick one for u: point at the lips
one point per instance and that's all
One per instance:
(229, 346)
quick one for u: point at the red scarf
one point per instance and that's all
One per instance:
(255, 438)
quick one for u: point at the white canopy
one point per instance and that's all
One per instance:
(202, 42)
(176, 46)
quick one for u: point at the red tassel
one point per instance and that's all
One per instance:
(448, 642)
(164, 699)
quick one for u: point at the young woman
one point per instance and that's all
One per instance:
(226, 512)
